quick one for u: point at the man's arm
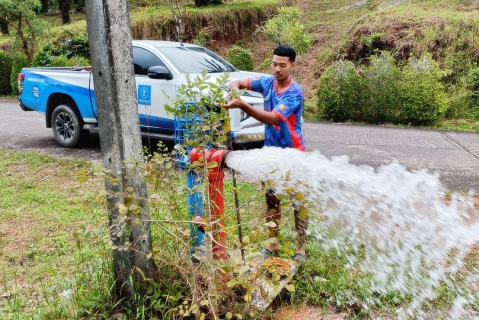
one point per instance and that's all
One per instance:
(238, 84)
(260, 115)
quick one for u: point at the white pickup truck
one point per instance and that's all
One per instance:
(67, 99)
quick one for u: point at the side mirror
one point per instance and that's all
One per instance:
(159, 72)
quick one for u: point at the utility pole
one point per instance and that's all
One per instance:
(111, 56)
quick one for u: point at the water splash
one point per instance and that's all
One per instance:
(401, 217)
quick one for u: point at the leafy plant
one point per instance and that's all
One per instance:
(285, 28)
(19, 61)
(382, 80)
(340, 92)
(204, 37)
(42, 59)
(240, 58)
(422, 97)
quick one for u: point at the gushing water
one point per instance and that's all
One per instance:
(414, 238)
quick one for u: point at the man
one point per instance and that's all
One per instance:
(282, 116)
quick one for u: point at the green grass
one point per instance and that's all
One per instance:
(54, 237)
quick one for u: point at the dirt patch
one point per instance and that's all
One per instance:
(308, 313)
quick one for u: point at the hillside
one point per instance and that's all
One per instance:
(341, 29)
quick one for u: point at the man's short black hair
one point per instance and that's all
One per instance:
(285, 51)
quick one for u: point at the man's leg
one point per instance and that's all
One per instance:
(273, 213)
(301, 226)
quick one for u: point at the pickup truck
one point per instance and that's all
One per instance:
(67, 99)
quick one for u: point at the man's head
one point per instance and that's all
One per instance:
(283, 63)
(285, 51)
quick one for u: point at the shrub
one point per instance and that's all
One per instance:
(340, 92)
(19, 61)
(422, 98)
(204, 37)
(5, 70)
(77, 47)
(42, 59)
(69, 45)
(463, 97)
(64, 61)
(240, 58)
(286, 29)
(382, 90)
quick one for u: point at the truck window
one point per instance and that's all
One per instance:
(143, 60)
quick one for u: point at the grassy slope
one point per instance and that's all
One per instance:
(338, 27)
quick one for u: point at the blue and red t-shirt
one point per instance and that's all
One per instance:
(288, 105)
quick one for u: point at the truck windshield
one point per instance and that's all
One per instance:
(196, 59)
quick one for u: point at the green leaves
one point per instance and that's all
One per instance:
(286, 29)
(383, 92)
(240, 58)
(21, 16)
(199, 102)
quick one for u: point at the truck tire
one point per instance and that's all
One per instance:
(67, 126)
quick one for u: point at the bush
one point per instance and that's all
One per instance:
(422, 98)
(382, 90)
(240, 58)
(463, 97)
(5, 70)
(77, 47)
(340, 93)
(413, 95)
(42, 59)
(67, 44)
(286, 29)
(19, 61)
(64, 61)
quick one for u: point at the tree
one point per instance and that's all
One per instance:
(121, 149)
(64, 7)
(20, 15)
(4, 26)
(178, 9)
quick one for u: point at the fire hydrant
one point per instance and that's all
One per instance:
(215, 190)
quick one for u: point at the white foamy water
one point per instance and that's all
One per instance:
(400, 217)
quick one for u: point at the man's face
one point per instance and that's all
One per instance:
(281, 67)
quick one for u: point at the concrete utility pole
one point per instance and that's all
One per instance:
(111, 56)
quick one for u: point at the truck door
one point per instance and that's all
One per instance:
(151, 98)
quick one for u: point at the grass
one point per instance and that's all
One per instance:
(54, 237)
(42, 208)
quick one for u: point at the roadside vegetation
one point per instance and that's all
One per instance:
(366, 61)
(325, 32)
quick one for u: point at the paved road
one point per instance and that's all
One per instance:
(455, 155)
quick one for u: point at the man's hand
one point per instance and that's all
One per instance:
(234, 103)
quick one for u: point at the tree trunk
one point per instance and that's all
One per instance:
(111, 55)
(64, 7)
(4, 27)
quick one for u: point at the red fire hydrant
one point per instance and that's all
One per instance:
(215, 189)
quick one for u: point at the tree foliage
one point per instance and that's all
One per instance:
(285, 28)
(21, 16)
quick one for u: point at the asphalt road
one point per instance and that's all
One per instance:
(455, 155)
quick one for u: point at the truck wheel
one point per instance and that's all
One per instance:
(67, 126)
